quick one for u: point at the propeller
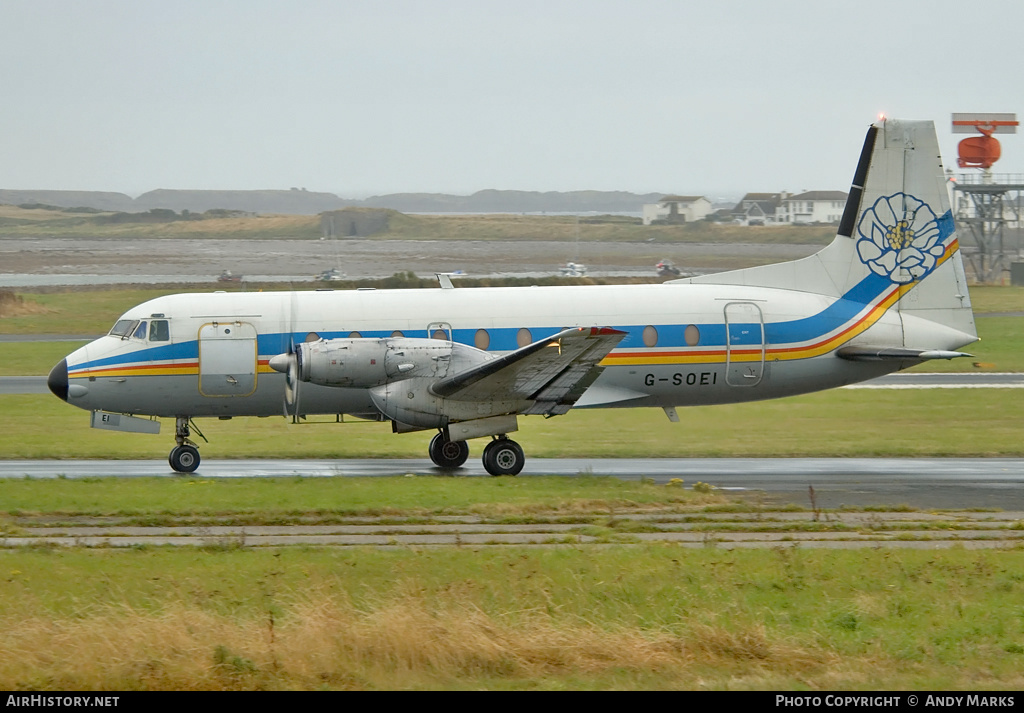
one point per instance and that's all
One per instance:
(288, 364)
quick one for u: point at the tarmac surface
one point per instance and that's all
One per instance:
(947, 483)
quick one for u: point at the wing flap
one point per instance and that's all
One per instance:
(553, 372)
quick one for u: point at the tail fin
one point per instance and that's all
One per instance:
(896, 246)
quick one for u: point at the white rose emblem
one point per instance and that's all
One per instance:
(899, 238)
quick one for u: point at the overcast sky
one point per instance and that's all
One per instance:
(678, 96)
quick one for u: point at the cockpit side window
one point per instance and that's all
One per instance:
(123, 328)
(159, 331)
(140, 332)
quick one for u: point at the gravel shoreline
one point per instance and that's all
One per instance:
(151, 259)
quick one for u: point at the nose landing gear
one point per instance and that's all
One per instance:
(184, 457)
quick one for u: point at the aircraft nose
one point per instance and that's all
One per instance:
(58, 380)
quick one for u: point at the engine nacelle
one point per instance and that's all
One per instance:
(342, 362)
(411, 403)
(365, 363)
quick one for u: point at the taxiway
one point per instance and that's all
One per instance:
(944, 483)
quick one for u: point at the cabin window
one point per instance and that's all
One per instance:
(159, 331)
(312, 337)
(439, 334)
(140, 331)
(650, 336)
(481, 340)
(524, 337)
(123, 328)
(397, 333)
(692, 335)
(355, 335)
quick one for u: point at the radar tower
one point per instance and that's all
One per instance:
(981, 203)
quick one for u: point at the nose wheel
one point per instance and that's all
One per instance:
(503, 456)
(184, 457)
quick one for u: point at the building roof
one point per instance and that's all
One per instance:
(818, 196)
(681, 199)
(765, 202)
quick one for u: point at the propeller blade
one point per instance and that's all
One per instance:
(288, 364)
(291, 383)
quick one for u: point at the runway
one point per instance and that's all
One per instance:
(943, 483)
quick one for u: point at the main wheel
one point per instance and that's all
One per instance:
(448, 454)
(503, 457)
(184, 459)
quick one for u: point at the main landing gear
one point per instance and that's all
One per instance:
(502, 456)
(184, 457)
(448, 454)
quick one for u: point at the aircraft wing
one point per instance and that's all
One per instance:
(553, 372)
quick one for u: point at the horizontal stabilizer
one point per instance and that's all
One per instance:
(863, 353)
(553, 372)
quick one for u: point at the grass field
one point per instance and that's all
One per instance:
(942, 422)
(622, 617)
(568, 617)
(276, 499)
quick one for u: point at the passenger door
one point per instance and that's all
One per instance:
(227, 359)
(744, 344)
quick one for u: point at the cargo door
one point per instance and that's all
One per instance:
(744, 344)
(227, 359)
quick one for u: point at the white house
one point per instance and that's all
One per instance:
(758, 208)
(677, 209)
(812, 207)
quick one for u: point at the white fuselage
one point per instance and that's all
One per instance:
(685, 344)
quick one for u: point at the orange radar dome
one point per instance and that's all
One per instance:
(978, 152)
(982, 151)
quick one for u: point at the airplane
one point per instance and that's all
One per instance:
(887, 293)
